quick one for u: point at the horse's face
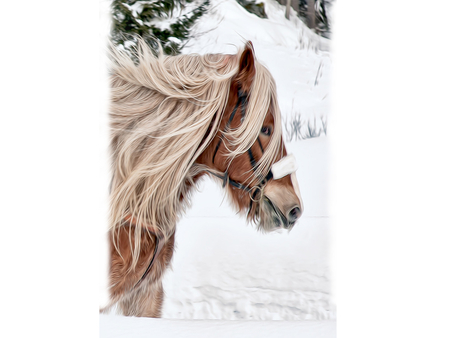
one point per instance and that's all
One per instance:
(270, 198)
(275, 203)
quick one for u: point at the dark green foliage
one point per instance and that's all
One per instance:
(128, 23)
(255, 8)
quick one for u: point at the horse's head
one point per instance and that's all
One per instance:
(248, 154)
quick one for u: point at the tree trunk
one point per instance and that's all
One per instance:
(288, 8)
(311, 14)
(295, 4)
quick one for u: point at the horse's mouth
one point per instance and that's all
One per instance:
(272, 218)
(277, 216)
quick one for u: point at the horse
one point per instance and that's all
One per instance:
(173, 120)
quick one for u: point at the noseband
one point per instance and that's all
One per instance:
(282, 170)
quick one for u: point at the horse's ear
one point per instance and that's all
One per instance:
(246, 67)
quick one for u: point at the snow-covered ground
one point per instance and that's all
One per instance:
(118, 326)
(298, 59)
(224, 269)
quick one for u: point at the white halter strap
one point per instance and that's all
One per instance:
(286, 166)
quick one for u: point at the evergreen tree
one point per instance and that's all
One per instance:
(148, 19)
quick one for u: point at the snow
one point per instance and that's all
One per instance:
(264, 285)
(117, 326)
(164, 23)
(298, 59)
(225, 269)
(227, 24)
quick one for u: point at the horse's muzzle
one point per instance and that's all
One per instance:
(273, 218)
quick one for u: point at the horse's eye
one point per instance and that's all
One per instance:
(266, 130)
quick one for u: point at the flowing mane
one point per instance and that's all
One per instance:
(174, 119)
(164, 112)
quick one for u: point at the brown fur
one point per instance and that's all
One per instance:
(123, 278)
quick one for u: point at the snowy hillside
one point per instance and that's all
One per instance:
(298, 59)
(222, 267)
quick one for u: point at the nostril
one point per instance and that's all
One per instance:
(294, 214)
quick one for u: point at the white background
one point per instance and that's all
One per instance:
(390, 140)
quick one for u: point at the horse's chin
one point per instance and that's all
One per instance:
(271, 218)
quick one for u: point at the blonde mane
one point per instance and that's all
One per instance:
(164, 112)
